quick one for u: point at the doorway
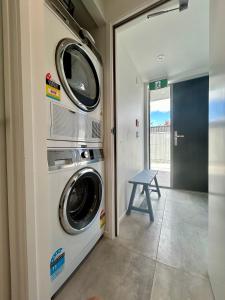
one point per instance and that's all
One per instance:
(178, 133)
(148, 56)
(160, 133)
(175, 123)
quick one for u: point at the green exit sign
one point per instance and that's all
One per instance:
(159, 84)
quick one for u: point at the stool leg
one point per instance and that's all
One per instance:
(132, 198)
(157, 186)
(151, 215)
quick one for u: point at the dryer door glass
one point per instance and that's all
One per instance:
(78, 75)
(83, 201)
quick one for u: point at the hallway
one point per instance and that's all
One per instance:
(166, 260)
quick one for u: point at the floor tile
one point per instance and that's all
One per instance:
(176, 194)
(157, 202)
(173, 284)
(139, 235)
(199, 199)
(184, 247)
(183, 197)
(194, 199)
(169, 254)
(176, 214)
(191, 208)
(111, 272)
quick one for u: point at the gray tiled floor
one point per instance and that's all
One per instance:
(166, 260)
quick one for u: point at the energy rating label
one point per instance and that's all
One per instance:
(52, 89)
(57, 263)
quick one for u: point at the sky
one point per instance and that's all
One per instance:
(160, 112)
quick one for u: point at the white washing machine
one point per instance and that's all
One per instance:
(74, 83)
(77, 208)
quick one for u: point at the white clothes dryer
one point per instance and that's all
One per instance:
(74, 83)
(76, 187)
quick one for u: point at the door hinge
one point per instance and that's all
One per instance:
(113, 130)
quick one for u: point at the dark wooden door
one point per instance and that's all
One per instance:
(190, 134)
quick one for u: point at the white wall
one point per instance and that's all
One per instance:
(217, 149)
(116, 10)
(130, 104)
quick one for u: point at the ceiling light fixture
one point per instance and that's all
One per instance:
(160, 58)
(183, 4)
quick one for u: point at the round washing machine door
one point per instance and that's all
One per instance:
(80, 201)
(77, 74)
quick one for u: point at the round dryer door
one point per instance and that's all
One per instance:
(77, 74)
(80, 200)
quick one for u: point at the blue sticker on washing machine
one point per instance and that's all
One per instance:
(57, 263)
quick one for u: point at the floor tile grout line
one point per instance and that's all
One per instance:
(161, 227)
(137, 252)
(198, 275)
(153, 259)
(153, 280)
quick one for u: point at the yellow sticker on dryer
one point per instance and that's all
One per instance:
(52, 90)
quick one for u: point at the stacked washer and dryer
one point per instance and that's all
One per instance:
(75, 154)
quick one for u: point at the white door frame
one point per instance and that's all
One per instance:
(5, 288)
(146, 126)
(26, 124)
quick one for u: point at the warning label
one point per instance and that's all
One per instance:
(102, 218)
(52, 89)
(57, 263)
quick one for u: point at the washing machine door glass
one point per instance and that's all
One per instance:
(81, 200)
(77, 74)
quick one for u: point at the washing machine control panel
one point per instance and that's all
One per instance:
(64, 158)
(89, 155)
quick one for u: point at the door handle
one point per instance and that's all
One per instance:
(176, 137)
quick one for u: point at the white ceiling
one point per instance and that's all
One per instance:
(182, 37)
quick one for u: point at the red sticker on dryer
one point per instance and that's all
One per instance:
(48, 76)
